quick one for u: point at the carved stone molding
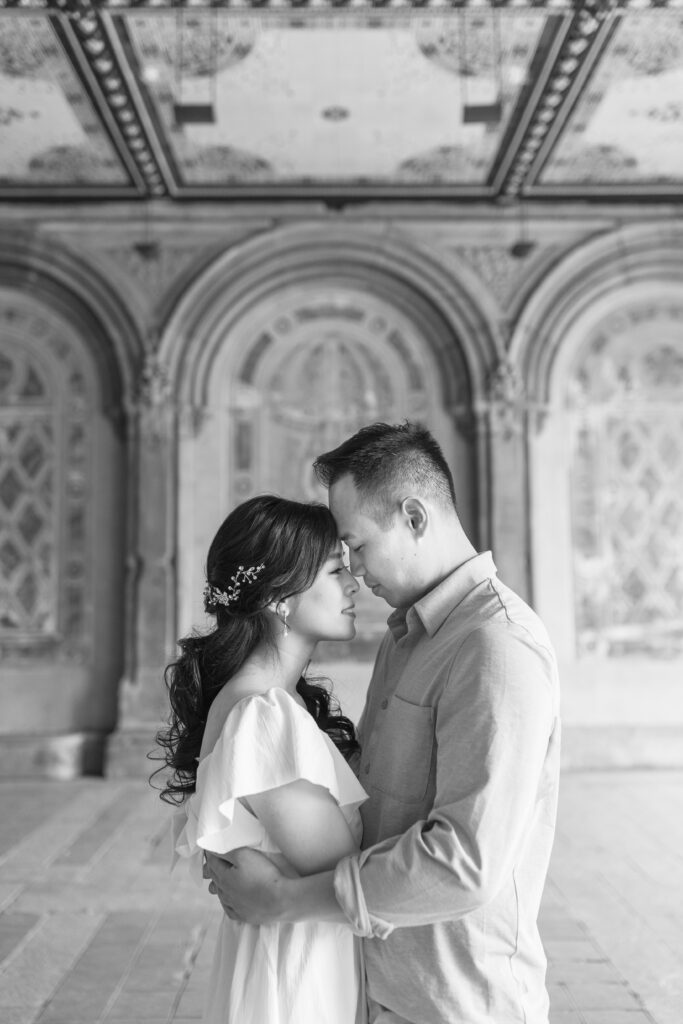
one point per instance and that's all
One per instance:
(416, 282)
(155, 406)
(501, 272)
(191, 419)
(154, 384)
(152, 266)
(505, 393)
(465, 421)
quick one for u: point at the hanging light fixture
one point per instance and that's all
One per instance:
(147, 248)
(524, 245)
(484, 113)
(195, 113)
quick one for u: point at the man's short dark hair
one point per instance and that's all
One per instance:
(386, 460)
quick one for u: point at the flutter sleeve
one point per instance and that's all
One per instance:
(268, 741)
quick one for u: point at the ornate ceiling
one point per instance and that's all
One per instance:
(341, 98)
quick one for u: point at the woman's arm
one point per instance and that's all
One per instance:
(306, 824)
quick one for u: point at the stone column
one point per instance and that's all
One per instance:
(151, 588)
(507, 489)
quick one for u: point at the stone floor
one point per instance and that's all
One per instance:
(93, 930)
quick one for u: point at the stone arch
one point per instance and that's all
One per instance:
(595, 278)
(246, 274)
(586, 341)
(443, 347)
(68, 496)
(65, 283)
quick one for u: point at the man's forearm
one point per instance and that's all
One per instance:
(309, 899)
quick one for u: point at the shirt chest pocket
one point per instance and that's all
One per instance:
(401, 762)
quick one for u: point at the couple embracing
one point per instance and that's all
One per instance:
(393, 876)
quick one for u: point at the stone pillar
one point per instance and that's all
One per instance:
(151, 585)
(507, 489)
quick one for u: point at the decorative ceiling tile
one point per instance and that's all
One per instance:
(628, 125)
(351, 101)
(341, 98)
(50, 133)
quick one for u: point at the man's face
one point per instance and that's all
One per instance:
(381, 556)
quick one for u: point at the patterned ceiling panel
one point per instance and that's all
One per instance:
(627, 127)
(50, 132)
(341, 99)
(349, 101)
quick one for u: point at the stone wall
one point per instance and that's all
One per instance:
(189, 353)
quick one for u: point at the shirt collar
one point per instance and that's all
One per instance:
(432, 610)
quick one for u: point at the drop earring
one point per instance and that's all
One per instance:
(283, 617)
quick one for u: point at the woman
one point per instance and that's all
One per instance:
(258, 755)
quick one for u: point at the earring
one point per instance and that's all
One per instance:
(283, 619)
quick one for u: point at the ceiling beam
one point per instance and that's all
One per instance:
(90, 37)
(577, 55)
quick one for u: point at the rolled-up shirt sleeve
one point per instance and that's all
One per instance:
(493, 724)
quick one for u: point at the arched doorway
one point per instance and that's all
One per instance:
(608, 480)
(61, 543)
(604, 368)
(307, 362)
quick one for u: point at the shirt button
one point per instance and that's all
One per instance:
(384, 705)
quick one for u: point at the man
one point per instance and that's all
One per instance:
(459, 755)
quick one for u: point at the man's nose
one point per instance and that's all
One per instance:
(355, 564)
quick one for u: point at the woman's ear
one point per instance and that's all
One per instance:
(415, 515)
(279, 607)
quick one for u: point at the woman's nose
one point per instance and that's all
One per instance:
(352, 584)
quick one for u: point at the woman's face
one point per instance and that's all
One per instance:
(326, 610)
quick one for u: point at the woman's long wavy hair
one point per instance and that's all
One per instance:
(292, 541)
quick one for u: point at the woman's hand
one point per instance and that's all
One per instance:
(248, 885)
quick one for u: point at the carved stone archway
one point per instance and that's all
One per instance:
(382, 262)
(211, 322)
(66, 380)
(305, 368)
(587, 282)
(591, 344)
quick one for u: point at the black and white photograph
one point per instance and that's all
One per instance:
(341, 511)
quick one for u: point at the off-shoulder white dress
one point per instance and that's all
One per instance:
(304, 973)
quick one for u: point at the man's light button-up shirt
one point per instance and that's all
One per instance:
(460, 742)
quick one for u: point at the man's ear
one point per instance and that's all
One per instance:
(415, 515)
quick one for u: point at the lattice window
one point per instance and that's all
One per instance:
(28, 571)
(627, 498)
(43, 469)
